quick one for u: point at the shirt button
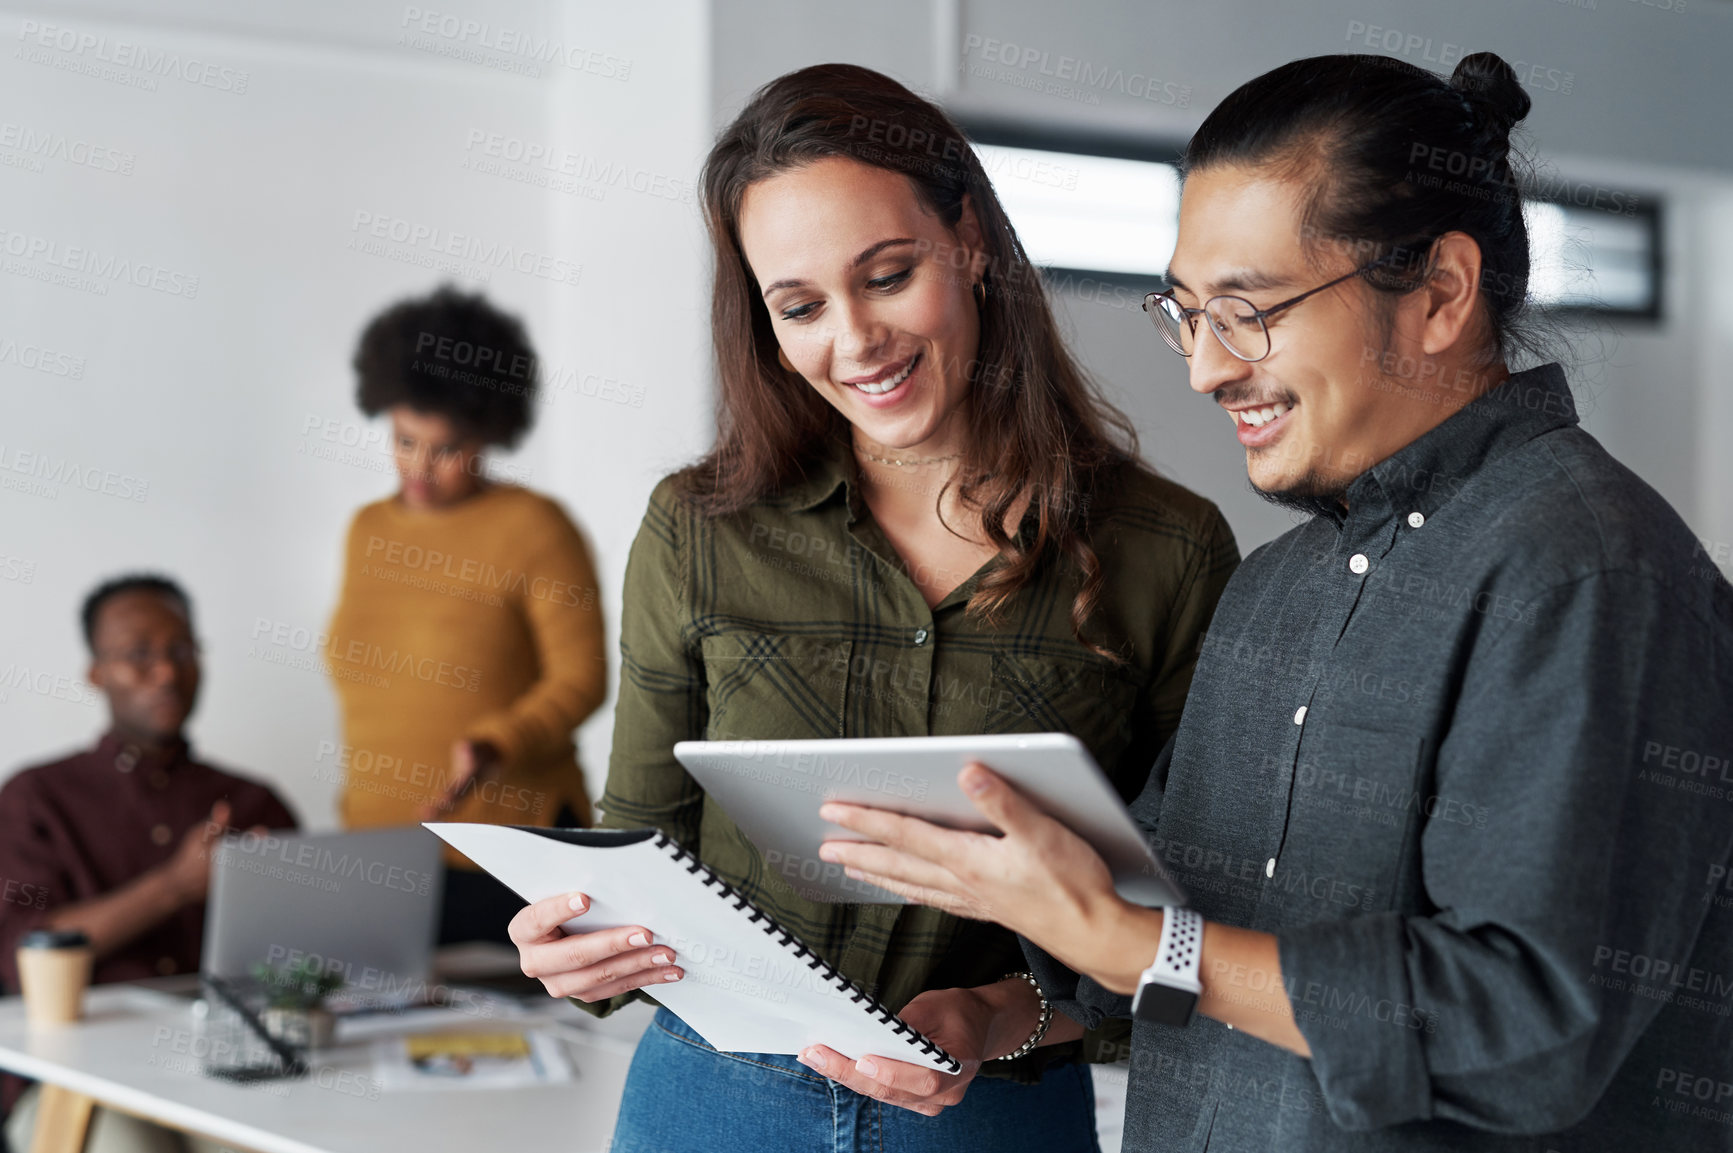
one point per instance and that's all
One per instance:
(1415, 520)
(1270, 867)
(920, 636)
(125, 761)
(1358, 563)
(166, 966)
(161, 834)
(1300, 715)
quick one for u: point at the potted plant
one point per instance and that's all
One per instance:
(295, 993)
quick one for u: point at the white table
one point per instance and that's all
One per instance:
(124, 1054)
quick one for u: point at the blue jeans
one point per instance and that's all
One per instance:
(682, 1096)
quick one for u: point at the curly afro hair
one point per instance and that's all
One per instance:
(451, 354)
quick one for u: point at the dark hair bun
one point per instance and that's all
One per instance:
(1490, 84)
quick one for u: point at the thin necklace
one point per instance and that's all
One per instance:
(912, 462)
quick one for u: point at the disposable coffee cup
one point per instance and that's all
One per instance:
(54, 968)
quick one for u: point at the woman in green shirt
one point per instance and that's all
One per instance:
(918, 518)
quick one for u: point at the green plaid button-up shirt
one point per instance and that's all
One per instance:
(797, 619)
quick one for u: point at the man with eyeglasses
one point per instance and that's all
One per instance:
(115, 841)
(1452, 796)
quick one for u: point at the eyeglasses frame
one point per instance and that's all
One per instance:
(1151, 303)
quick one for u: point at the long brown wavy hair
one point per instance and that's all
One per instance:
(1037, 424)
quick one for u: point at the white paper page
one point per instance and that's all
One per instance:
(743, 992)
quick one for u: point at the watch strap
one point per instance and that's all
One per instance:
(1180, 951)
(1168, 991)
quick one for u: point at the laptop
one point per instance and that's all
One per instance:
(364, 905)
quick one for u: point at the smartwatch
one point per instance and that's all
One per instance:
(1168, 991)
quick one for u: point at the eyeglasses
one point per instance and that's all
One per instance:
(1236, 321)
(182, 654)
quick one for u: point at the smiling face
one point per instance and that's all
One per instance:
(870, 297)
(1311, 414)
(146, 662)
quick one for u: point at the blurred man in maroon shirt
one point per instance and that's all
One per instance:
(115, 841)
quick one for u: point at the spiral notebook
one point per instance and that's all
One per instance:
(750, 985)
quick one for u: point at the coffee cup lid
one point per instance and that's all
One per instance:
(54, 939)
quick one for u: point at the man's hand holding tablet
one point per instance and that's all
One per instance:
(1038, 879)
(1045, 883)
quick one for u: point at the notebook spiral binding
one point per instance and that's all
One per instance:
(789, 941)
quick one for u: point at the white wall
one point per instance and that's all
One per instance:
(1714, 342)
(216, 406)
(1645, 109)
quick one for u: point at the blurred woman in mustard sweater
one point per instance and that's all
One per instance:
(467, 641)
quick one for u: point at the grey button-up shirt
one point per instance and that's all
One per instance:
(1466, 749)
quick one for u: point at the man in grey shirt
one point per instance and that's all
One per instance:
(1453, 791)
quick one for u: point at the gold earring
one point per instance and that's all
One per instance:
(981, 293)
(782, 358)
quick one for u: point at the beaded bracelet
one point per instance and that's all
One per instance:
(1040, 1028)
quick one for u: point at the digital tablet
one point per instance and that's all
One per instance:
(772, 790)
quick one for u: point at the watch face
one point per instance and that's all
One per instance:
(1163, 1005)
